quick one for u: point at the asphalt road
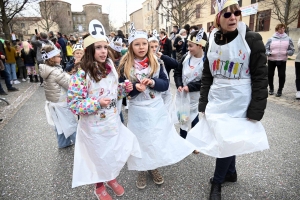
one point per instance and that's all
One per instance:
(33, 168)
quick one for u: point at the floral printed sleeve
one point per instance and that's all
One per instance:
(121, 91)
(78, 100)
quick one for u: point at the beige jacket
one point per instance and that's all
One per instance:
(54, 80)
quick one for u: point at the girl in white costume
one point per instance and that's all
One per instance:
(233, 95)
(188, 74)
(148, 117)
(103, 143)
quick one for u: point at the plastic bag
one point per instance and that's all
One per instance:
(183, 107)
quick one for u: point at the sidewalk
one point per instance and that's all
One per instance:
(15, 99)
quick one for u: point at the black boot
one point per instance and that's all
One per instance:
(279, 93)
(31, 79)
(36, 79)
(228, 178)
(271, 92)
(215, 191)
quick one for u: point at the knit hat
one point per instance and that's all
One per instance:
(97, 33)
(136, 34)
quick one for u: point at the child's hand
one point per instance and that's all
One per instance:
(129, 87)
(140, 87)
(147, 81)
(185, 88)
(77, 60)
(104, 102)
(179, 89)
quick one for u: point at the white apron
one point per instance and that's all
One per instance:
(149, 120)
(224, 130)
(59, 115)
(103, 143)
(191, 74)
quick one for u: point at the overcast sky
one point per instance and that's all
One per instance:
(115, 8)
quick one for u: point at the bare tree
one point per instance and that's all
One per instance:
(180, 11)
(9, 9)
(285, 11)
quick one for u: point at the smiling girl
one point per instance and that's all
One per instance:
(148, 117)
(103, 143)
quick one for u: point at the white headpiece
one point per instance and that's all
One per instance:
(219, 5)
(154, 36)
(77, 46)
(116, 45)
(198, 39)
(51, 54)
(97, 33)
(134, 34)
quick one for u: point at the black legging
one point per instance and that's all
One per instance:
(297, 72)
(281, 67)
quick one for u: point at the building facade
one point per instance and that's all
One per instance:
(150, 15)
(137, 18)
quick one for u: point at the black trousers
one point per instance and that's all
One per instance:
(281, 68)
(297, 72)
(224, 166)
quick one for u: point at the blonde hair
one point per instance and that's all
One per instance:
(48, 48)
(232, 8)
(127, 62)
(26, 47)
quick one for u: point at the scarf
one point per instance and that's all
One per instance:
(143, 64)
(162, 42)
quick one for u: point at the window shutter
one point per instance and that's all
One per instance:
(212, 10)
(267, 20)
(251, 22)
(299, 20)
(253, 1)
(198, 11)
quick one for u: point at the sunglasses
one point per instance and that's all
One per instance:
(236, 13)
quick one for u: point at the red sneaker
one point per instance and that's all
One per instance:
(116, 187)
(102, 194)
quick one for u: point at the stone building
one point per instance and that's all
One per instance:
(68, 21)
(137, 18)
(150, 15)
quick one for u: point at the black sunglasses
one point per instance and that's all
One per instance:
(236, 13)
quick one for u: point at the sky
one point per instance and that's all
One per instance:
(115, 8)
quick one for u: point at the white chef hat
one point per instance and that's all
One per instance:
(136, 34)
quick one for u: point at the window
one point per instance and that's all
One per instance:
(251, 22)
(79, 19)
(148, 20)
(162, 18)
(68, 13)
(22, 25)
(212, 10)
(70, 22)
(253, 1)
(99, 10)
(263, 20)
(299, 20)
(148, 6)
(186, 14)
(198, 11)
(74, 18)
(83, 18)
(240, 3)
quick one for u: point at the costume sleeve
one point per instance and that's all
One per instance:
(259, 77)
(206, 82)
(78, 100)
(267, 46)
(291, 48)
(170, 63)
(162, 82)
(178, 73)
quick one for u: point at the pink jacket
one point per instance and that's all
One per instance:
(279, 47)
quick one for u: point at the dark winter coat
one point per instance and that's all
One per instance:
(193, 86)
(170, 63)
(28, 58)
(176, 45)
(167, 47)
(258, 72)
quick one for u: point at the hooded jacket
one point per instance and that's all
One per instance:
(258, 71)
(54, 80)
(278, 47)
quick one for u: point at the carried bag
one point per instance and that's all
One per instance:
(183, 107)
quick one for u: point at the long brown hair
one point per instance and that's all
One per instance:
(127, 62)
(114, 55)
(90, 65)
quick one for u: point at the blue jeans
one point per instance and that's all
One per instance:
(63, 142)
(183, 133)
(224, 166)
(6, 77)
(122, 118)
(11, 69)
